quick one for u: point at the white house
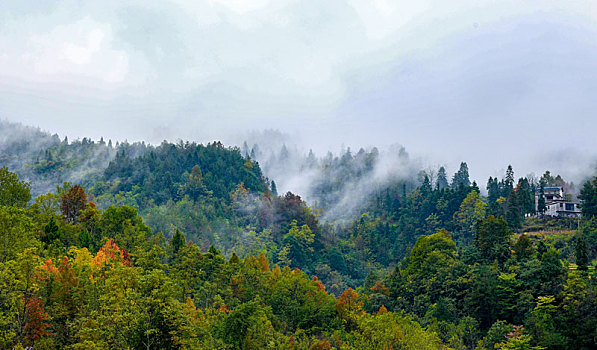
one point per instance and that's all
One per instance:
(556, 203)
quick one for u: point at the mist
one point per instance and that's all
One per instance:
(491, 84)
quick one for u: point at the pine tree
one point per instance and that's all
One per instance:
(442, 179)
(461, 177)
(177, 242)
(588, 196)
(509, 180)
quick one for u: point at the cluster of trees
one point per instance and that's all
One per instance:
(476, 295)
(191, 246)
(45, 160)
(173, 171)
(76, 277)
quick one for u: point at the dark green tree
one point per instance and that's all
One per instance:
(514, 212)
(177, 242)
(493, 239)
(588, 196)
(461, 177)
(541, 205)
(508, 181)
(582, 256)
(52, 231)
(493, 194)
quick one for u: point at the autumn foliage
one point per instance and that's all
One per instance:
(36, 326)
(73, 203)
(111, 253)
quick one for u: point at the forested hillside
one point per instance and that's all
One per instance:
(185, 245)
(46, 161)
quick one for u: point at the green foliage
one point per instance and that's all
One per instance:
(581, 253)
(492, 239)
(101, 278)
(178, 241)
(588, 196)
(13, 192)
(471, 210)
(17, 232)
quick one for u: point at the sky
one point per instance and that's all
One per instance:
(488, 82)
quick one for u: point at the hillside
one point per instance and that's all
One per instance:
(190, 246)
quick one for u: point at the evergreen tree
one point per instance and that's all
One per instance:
(582, 256)
(442, 179)
(493, 194)
(52, 231)
(514, 215)
(177, 242)
(541, 205)
(588, 196)
(461, 177)
(508, 181)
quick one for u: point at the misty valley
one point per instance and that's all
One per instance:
(118, 245)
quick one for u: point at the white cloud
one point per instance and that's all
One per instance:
(242, 6)
(79, 49)
(402, 68)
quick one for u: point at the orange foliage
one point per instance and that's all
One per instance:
(292, 342)
(48, 267)
(382, 310)
(380, 288)
(263, 263)
(320, 286)
(47, 270)
(349, 303)
(36, 325)
(223, 308)
(276, 272)
(321, 345)
(110, 252)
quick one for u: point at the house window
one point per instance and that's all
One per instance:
(561, 205)
(570, 206)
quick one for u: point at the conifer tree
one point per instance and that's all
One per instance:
(582, 257)
(442, 180)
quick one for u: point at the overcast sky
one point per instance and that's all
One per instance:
(489, 82)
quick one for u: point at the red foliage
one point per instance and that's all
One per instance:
(35, 325)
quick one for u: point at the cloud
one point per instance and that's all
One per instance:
(341, 71)
(80, 48)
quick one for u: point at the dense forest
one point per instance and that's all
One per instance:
(185, 245)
